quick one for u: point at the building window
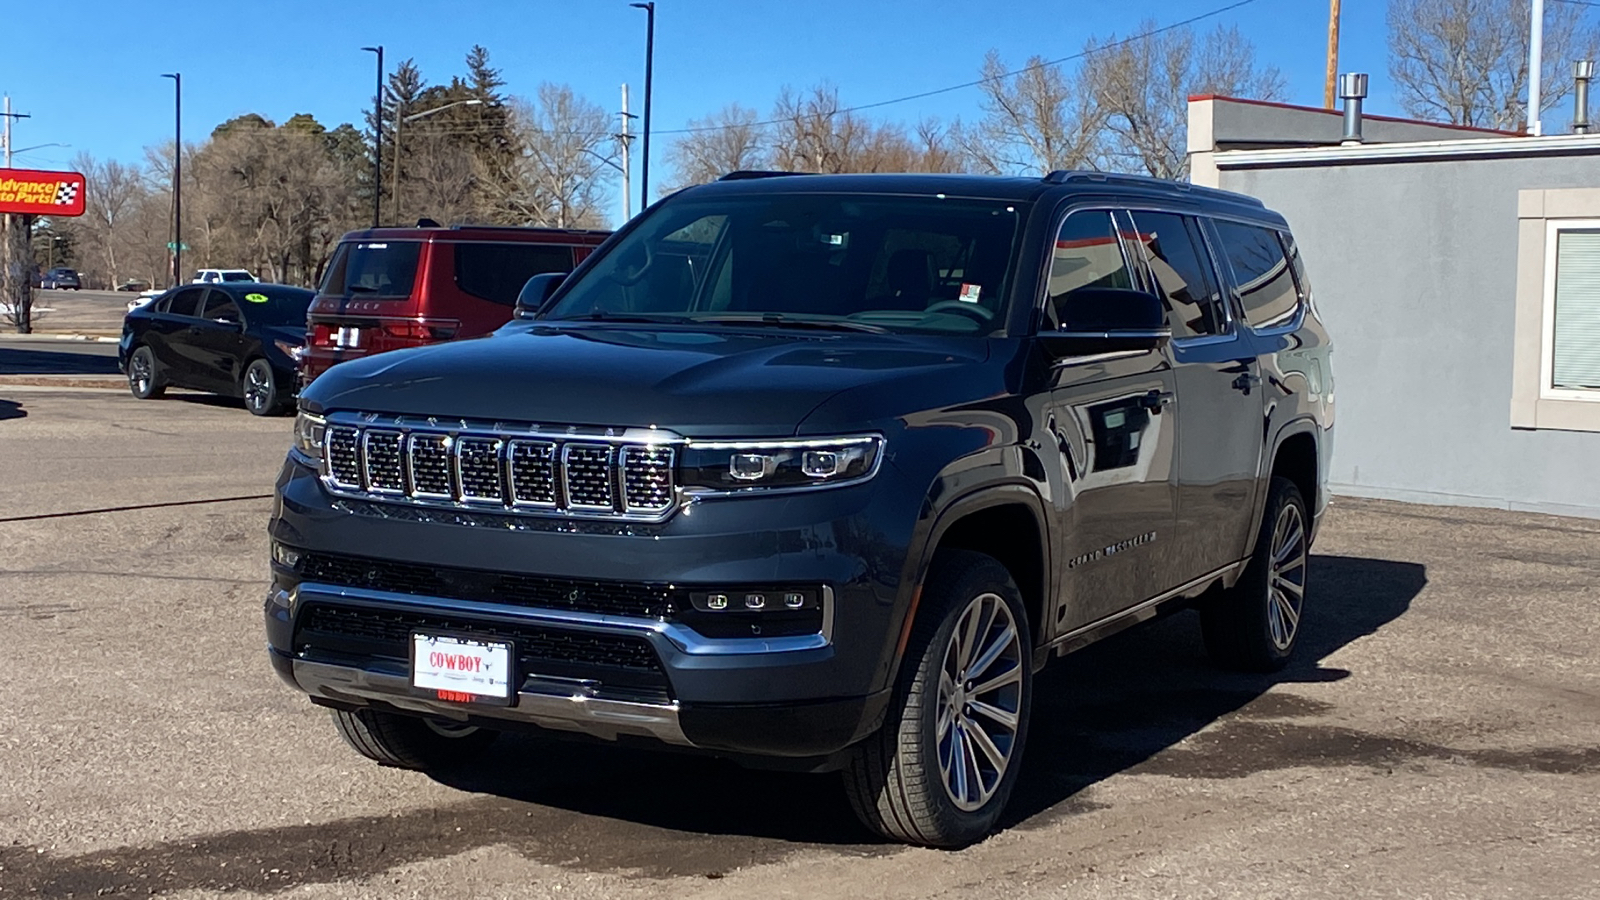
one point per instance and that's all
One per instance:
(1555, 381)
(1572, 320)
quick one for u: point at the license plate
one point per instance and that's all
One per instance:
(460, 669)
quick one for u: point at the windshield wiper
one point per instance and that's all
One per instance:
(600, 315)
(778, 320)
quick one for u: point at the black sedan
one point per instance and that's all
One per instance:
(241, 340)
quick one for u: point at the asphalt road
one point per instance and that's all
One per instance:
(1439, 736)
(48, 355)
(80, 312)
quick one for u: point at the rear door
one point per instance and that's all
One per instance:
(1115, 443)
(168, 334)
(217, 342)
(491, 275)
(1219, 396)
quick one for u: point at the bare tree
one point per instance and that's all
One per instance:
(1035, 120)
(727, 141)
(1466, 61)
(1141, 87)
(564, 146)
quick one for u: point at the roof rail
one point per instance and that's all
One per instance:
(747, 174)
(1065, 176)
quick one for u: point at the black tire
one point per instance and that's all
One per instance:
(1255, 625)
(894, 779)
(408, 742)
(145, 380)
(259, 388)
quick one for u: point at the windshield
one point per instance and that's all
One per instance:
(859, 261)
(271, 304)
(237, 276)
(373, 268)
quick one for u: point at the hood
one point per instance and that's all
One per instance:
(717, 382)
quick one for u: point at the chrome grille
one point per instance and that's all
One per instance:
(647, 477)
(381, 457)
(587, 471)
(430, 466)
(533, 473)
(601, 473)
(478, 469)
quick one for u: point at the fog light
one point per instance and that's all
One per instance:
(755, 601)
(794, 601)
(749, 466)
(717, 601)
(820, 463)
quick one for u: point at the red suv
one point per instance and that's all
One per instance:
(388, 288)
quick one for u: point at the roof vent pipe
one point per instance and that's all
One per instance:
(1352, 89)
(1582, 71)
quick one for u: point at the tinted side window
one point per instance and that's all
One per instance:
(1182, 270)
(181, 303)
(1266, 286)
(1086, 255)
(496, 272)
(220, 307)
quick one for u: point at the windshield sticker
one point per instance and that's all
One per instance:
(970, 292)
(256, 298)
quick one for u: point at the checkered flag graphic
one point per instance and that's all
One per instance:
(66, 192)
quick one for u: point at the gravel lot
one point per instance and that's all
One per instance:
(1439, 736)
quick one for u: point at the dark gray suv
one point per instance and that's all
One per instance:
(817, 471)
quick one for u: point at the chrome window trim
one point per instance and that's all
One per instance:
(1224, 285)
(1041, 304)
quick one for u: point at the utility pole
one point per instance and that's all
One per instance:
(1333, 54)
(16, 248)
(377, 141)
(649, 64)
(177, 177)
(625, 138)
(1535, 62)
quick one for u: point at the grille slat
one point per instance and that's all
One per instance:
(624, 475)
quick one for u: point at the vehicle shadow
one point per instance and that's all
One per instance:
(1108, 708)
(23, 360)
(11, 409)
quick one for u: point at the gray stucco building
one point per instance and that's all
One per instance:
(1459, 272)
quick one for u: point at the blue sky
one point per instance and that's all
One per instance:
(89, 70)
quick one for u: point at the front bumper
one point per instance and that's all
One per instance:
(801, 695)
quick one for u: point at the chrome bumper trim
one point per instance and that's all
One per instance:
(605, 719)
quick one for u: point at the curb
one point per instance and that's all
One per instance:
(65, 381)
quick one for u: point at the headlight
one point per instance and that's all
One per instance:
(728, 466)
(291, 350)
(308, 433)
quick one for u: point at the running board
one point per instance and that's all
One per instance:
(1084, 635)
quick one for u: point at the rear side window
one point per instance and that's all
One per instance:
(1265, 281)
(180, 303)
(1086, 255)
(496, 272)
(220, 307)
(373, 269)
(1182, 268)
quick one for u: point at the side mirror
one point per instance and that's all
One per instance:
(536, 291)
(1109, 320)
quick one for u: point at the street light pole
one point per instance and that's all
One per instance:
(377, 141)
(177, 175)
(649, 64)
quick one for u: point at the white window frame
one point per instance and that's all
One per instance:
(1547, 337)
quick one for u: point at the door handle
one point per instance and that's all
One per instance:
(1154, 400)
(1246, 382)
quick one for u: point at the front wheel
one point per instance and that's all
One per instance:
(941, 769)
(260, 389)
(1255, 625)
(407, 742)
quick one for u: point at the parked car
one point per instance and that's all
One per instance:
(61, 279)
(134, 285)
(236, 339)
(390, 288)
(817, 472)
(143, 298)
(217, 276)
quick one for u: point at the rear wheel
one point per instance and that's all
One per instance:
(1255, 625)
(408, 742)
(941, 769)
(144, 378)
(260, 388)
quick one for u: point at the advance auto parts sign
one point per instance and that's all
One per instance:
(41, 193)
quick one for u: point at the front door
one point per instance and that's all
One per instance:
(1219, 389)
(217, 343)
(1115, 431)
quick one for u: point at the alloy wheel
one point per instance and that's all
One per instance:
(256, 388)
(980, 700)
(139, 373)
(1286, 576)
